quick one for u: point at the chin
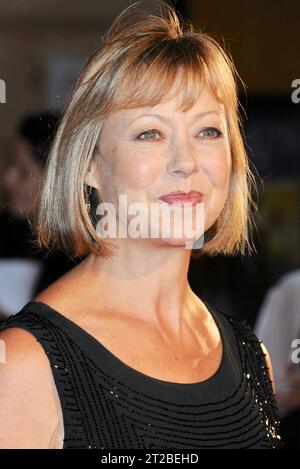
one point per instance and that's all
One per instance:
(180, 242)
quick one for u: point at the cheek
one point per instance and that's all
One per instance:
(219, 171)
(134, 171)
(26, 194)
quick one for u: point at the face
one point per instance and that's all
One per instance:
(21, 179)
(148, 152)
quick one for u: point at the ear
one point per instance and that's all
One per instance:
(92, 177)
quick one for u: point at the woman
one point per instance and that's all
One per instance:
(31, 269)
(137, 360)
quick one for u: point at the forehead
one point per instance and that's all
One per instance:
(171, 106)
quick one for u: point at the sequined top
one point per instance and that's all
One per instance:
(107, 404)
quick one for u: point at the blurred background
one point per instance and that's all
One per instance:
(43, 46)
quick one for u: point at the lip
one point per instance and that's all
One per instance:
(181, 198)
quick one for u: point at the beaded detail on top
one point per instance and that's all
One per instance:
(108, 405)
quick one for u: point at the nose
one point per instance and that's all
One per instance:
(183, 162)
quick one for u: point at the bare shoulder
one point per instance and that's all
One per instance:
(29, 415)
(62, 294)
(269, 364)
(74, 296)
(59, 289)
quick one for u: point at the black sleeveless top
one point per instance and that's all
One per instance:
(106, 404)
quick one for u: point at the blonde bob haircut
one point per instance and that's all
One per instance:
(136, 65)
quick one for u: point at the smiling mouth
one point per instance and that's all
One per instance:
(181, 198)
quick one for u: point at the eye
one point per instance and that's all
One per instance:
(148, 133)
(211, 132)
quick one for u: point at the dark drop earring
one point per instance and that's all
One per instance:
(88, 192)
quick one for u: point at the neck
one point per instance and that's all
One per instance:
(144, 282)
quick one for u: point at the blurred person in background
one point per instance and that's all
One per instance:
(278, 326)
(25, 270)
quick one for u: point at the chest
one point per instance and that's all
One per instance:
(195, 358)
(145, 351)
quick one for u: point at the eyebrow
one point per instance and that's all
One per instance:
(166, 119)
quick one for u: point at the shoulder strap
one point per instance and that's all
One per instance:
(42, 330)
(255, 368)
(54, 344)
